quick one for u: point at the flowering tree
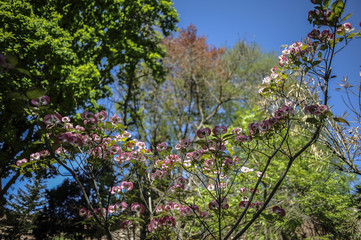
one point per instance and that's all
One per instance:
(197, 188)
(71, 49)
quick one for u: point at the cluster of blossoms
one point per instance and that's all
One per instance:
(244, 200)
(192, 157)
(106, 147)
(214, 205)
(320, 16)
(206, 132)
(202, 159)
(182, 210)
(317, 110)
(162, 222)
(345, 28)
(128, 186)
(293, 52)
(99, 146)
(275, 80)
(83, 212)
(34, 157)
(323, 36)
(279, 211)
(137, 207)
(123, 157)
(291, 55)
(170, 206)
(126, 224)
(42, 101)
(161, 147)
(217, 131)
(118, 207)
(168, 163)
(158, 174)
(256, 128)
(212, 187)
(113, 209)
(243, 203)
(181, 182)
(183, 145)
(52, 120)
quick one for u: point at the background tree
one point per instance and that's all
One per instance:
(60, 216)
(315, 195)
(24, 209)
(70, 49)
(203, 84)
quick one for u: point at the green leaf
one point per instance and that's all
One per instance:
(201, 142)
(304, 47)
(15, 95)
(35, 93)
(341, 120)
(326, 3)
(228, 136)
(340, 39)
(315, 63)
(332, 43)
(312, 120)
(329, 114)
(351, 35)
(53, 161)
(323, 47)
(340, 33)
(230, 150)
(338, 7)
(22, 70)
(44, 107)
(346, 17)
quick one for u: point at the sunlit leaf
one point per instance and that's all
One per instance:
(35, 93)
(341, 120)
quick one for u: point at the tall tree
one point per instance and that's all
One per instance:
(24, 209)
(69, 48)
(60, 216)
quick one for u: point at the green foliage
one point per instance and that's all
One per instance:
(316, 196)
(317, 200)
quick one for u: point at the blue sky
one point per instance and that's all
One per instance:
(269, 23)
